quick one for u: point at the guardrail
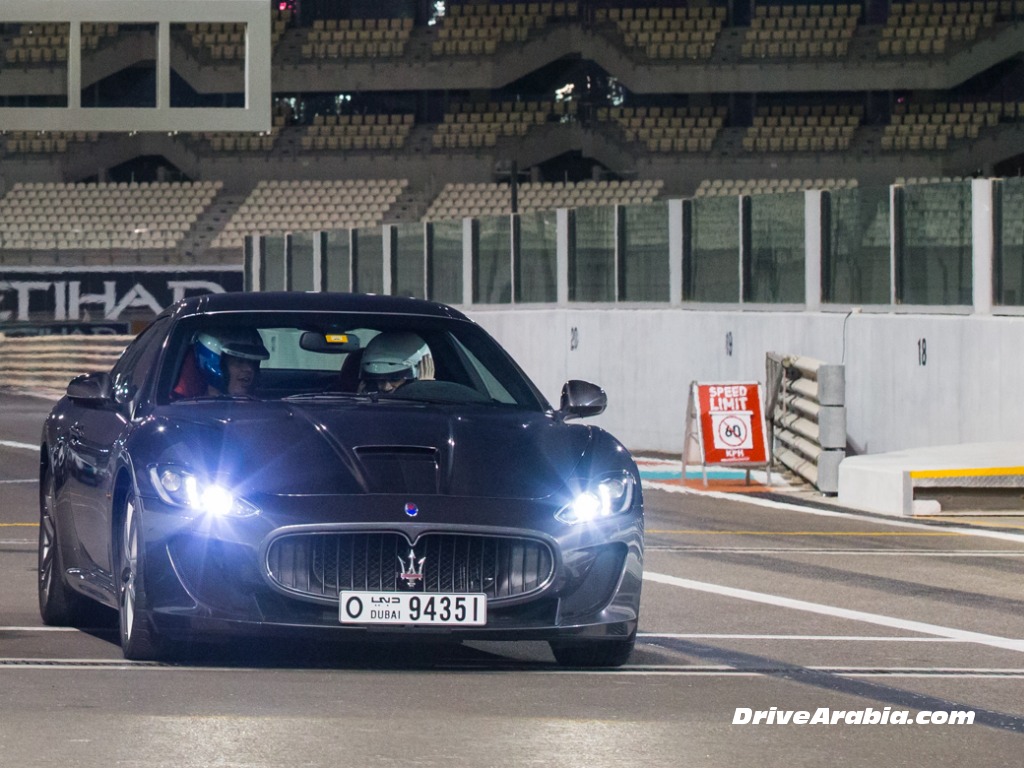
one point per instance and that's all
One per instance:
(48, 363)
(807, 417)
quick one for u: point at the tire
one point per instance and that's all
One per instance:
(59, 604)
(593, 653)
(139, 639)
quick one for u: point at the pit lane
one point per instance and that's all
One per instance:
(746, 605)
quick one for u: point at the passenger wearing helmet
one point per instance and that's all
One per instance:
(230, 360)
(393, 358)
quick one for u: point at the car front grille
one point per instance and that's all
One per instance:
(320, 565)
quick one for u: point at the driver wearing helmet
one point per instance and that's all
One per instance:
(230, 360)
(394, 358)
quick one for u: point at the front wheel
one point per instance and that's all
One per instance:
(139, 639)
(59, 604)
(593, 653)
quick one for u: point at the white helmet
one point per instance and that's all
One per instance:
(393, 355)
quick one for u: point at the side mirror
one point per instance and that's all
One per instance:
(581, 399)
(92, 388)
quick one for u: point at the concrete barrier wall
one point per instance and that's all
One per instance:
(911, 380)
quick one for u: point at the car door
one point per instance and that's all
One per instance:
(94, 430)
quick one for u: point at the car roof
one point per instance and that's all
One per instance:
(300, 301)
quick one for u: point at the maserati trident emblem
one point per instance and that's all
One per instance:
(410, 577)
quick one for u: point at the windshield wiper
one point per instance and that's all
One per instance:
(207, 398)
(325, 396)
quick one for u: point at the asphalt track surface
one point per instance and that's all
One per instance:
(749, 603)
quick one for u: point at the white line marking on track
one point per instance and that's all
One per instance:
(668, 636)
(830, 552)
(653, 670)
(12, 482)
(39, 629)
(845, 514)
(836, 638)
(980, 638)
(13, 444)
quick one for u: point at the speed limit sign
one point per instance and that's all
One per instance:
(729, 423)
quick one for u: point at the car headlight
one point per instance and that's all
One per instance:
(182, 488)
(606, 496)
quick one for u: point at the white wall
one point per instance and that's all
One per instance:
(646, 358)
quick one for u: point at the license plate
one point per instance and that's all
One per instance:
(413, 608)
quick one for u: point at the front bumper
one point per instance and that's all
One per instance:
(216, 577)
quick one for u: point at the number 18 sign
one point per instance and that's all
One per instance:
(729, 423)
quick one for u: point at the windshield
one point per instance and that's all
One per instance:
(324, 356)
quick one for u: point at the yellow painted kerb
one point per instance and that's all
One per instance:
(968, 472)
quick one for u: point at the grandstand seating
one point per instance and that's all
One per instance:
(909, 180)
(804, 30)
(734, 187)
(40, 142)
(924, 28)
(287, 206)
(667, 129)
(357, 38)
(933, 125)
(460, 200)
(666, 32)
(234, 141)
(355, 132)
(243, 142)
(481, 125)
(477, 29)
(57, 216)
(46, 43)
(225, 41)
(803, 129)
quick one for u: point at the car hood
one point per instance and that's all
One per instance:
(382, 447)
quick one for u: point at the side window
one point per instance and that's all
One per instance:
(494, 387)
(130, 371)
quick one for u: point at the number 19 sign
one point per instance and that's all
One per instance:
(727, 422)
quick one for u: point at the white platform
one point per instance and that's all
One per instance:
(884, 483)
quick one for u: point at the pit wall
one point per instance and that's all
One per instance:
(912, 380)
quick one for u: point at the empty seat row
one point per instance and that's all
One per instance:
(45, 216)
(812, 9)
(677, 12)
(760, 186)
(299, 205)
(357, 38)
(488, 199)
(387, 23)
(556, 10)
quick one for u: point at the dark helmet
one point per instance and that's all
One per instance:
(393, 355)
(245, 343)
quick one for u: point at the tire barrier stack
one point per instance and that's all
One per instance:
(807, 418)
(46, 364)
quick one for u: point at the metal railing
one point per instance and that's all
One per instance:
(807, 418)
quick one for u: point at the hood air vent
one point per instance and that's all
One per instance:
(400, 468)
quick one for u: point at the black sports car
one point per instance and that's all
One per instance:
(337, 466)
